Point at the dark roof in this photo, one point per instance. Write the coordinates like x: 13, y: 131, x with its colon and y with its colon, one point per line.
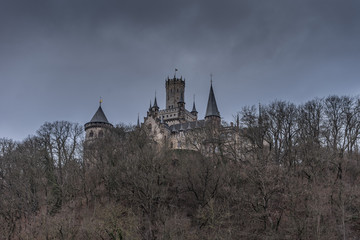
x: 187, y: 126
x: 212, y: 109
x: 155, y: 103
x: 194, y: 108
x: 99, y: 117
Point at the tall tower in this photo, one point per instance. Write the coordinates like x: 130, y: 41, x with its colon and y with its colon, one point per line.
x: 212, y: 112
x: 175, y: 90
x: 98, y: 125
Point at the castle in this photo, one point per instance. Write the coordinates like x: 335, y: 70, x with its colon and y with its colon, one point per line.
x: 169, y: 127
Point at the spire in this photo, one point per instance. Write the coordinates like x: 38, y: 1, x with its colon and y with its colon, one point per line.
x: 212, y: 109
x: 138, y: 121
x: 260, y: 118
x: 193, y: 111
x: 237, y: 120
x: 155, y: 102
x: 150, y: 106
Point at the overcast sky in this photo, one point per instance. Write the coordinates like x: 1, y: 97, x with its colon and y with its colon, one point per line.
x: 57, y: 57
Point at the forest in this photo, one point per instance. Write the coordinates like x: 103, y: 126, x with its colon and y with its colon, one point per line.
x: 294, y: 173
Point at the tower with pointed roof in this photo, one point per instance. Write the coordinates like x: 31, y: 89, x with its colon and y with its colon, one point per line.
x: 212, y: 112
x: 172, y: 124
x: 175, y: 111
x: 169, y: 126
x: 98, y: 125
x: 154, y: 109
x: 193, y: 111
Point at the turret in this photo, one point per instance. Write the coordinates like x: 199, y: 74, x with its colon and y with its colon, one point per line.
x: 193, y: 111
x: 138, y: 121
x: 212, y: 112
x: 98, y: 125
x: 154, y: 109
x: 155, y: 106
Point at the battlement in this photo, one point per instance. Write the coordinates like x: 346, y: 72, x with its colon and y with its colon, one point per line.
x: 174, y: 80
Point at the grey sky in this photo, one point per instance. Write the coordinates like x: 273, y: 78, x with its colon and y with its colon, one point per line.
x: 57, y: 57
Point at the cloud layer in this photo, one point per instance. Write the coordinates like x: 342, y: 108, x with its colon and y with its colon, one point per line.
x: 58, y: 57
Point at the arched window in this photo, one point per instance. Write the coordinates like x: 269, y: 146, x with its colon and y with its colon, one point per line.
x: 91, y: 134
x: 101, y: 133
x: 171, y: 145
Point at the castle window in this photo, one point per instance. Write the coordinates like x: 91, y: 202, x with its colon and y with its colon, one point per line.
x: 91, y: 134
x: 171, y: 145
x: 179, y: 144
x: 101, y: 133
x: 177, y: 90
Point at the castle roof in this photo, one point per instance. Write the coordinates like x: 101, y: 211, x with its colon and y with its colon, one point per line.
x: 155, y: 103
x: 212, y: 109
x: 98, y: 120
x: 99, y: 117
x: 194, y: 108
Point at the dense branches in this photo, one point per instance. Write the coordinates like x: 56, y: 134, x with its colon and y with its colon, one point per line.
x: 283, y: 172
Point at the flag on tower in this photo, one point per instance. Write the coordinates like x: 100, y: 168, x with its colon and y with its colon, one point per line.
x: 175, y: 72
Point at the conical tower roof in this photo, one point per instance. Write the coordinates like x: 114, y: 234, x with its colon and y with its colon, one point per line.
x: 98, y: 120
x: 212, y: 109
x: 155, y: 103
x: 99, y: 116
x: 194, y: 108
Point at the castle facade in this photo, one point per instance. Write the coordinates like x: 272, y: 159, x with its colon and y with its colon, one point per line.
x: 175, y: 126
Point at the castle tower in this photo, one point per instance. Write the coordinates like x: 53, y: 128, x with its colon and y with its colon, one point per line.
x: 193, y: 111
x: 154, y: 109
x: 212, y: 112
x: 97, y: 126
x: 175, y: 90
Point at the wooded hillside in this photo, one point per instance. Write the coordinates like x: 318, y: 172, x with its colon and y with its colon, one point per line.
x: 296, y: 175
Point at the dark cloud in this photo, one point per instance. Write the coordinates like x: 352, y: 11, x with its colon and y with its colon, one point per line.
x: 58, y: 57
